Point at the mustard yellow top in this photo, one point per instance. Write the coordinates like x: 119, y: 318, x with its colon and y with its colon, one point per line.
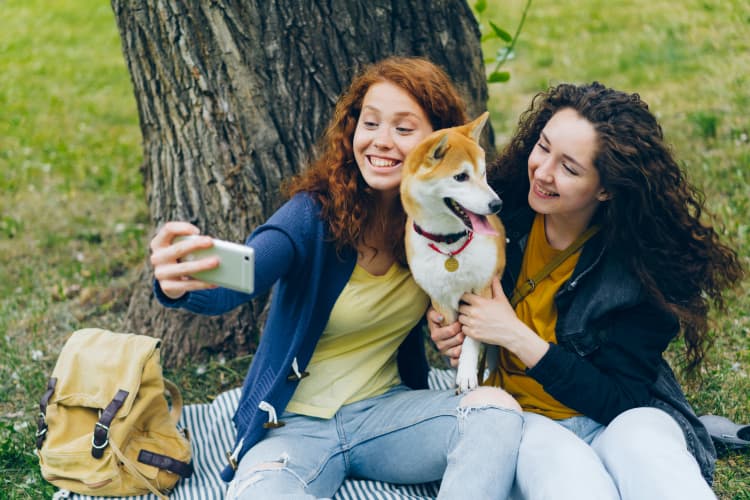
x: 539, y: 313
x: 355, y: 358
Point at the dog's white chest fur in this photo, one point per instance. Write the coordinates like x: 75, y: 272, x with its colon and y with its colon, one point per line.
x: 476, y: 263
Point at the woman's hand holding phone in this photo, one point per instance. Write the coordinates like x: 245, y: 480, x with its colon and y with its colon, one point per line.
x: 167, y: 258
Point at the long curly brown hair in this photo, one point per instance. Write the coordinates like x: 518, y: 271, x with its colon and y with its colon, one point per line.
x: 654, y: 212
x: 347, y: 202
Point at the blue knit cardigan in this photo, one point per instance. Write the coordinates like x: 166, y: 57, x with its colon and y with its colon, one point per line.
x: 294, y: 252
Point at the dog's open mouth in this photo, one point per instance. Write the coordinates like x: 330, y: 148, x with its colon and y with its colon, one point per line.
x: 473, y: 221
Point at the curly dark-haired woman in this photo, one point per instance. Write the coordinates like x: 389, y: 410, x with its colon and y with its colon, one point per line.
x: 326, y: 396
x: 609, y: 260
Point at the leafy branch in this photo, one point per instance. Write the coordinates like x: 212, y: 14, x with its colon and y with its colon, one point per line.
x: 496, y: 32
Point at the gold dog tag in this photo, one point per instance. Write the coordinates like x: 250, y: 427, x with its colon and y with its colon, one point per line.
x: 451, y: 264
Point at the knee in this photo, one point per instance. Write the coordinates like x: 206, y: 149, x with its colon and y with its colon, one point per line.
x: 489, y: 396
x: 635, y: 433
x: 265, y: 476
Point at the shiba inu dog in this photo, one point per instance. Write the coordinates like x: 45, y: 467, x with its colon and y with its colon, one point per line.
x: 454, y: 241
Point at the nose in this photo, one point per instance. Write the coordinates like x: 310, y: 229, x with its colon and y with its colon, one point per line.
x: 496, y: 205
x: 383, y: 139
x: 544, y: 169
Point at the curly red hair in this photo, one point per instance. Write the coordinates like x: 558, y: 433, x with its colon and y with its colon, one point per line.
x: 334, y: 178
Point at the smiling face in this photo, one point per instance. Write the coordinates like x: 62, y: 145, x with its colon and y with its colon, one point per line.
x: 390, y: 125
x: 564, y: 183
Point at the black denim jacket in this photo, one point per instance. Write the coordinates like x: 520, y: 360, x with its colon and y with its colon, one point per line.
x: 610, y: 340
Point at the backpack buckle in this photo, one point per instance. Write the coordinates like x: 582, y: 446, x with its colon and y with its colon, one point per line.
x: 105, y: 436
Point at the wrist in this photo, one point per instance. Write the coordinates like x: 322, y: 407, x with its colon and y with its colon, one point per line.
x: 528, y: 347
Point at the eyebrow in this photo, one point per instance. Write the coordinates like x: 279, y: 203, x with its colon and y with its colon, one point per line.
x: 399, y: 114
x: 567, y: 157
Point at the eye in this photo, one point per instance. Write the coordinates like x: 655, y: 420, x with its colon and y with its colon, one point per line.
x: 569, y: 169
x: 370, y: 124
x: 404, y: 130
x: 543, y: 147
x: 462, y: 177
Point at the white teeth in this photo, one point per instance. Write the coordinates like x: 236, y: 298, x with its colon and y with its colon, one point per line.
x: 382, y: 162
x: 545, y: 193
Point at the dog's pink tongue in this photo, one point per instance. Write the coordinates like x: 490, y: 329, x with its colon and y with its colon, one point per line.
x: 480, y: 224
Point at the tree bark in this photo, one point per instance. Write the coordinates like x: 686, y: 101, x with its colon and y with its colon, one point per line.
x: 232, y: 97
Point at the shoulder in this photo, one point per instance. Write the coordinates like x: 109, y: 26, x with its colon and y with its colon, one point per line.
x: 297, y: 221
x: 301, y: 206
x: 299, y: 216
x: 607, y: 270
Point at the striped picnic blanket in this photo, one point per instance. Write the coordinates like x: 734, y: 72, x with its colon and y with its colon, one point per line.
x: 212, y: 433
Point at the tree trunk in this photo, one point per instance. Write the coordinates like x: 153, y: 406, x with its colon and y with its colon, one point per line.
x: 232, y: 97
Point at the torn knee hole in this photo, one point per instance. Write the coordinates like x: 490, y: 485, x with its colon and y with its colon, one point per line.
x: 276, y: 464
x: 267, y: 465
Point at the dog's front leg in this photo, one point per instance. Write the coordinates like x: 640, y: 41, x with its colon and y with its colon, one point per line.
x: 466, y: 376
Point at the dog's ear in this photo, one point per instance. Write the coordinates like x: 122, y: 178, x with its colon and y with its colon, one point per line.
x: 475, y: 128
x: 438, y: 150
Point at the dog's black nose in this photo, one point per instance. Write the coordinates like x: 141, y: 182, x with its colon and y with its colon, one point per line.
x: 496, y: 205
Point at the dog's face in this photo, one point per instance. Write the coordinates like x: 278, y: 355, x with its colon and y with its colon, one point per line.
x: 444, y: 178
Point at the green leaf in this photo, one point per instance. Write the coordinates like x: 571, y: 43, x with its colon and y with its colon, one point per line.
x: 488, y: 36
x: 501, y: 33
x: 480, y: 6
x: 498, y: 76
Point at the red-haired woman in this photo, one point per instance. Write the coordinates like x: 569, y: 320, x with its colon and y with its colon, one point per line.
x: 346, y: 312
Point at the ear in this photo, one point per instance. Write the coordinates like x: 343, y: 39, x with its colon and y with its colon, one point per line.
x: 476, y: 127
x: 603, y: 195
x: 438, y: 150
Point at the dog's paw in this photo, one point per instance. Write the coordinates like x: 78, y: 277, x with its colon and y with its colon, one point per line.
x: 466, y: 379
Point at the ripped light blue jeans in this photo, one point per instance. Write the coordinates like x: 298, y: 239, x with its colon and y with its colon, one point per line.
x: 403, y: 436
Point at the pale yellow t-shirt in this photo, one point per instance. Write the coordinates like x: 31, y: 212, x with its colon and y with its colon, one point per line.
x: 538, y: 312
x: 355, y: 358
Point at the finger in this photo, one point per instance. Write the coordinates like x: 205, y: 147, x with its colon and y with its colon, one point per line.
x: 434, y: 316
x: 175, y: 252
x: 169, y: 230
x: 464, y: 319
x: 179, y: 270
x: 446, y: 346
x: 453, y: 342
x: 454, y: 359
x: 444, y: 333
x: 463, y: 309
x: 176, y: 288
x: 469, y: 298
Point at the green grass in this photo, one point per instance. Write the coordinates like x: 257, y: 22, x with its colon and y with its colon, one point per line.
x: 74, y: 222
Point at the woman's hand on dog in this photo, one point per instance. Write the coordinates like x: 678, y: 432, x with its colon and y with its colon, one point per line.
x: 170, y: 271
x: 447, y: 339
x: 493, y: 321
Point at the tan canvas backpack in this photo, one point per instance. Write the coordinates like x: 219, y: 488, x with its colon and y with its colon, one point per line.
x: 105, y: 427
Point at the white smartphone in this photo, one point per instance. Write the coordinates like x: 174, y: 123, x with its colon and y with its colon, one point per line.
x: 236, y: 269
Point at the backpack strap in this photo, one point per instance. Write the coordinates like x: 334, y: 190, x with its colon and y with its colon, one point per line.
x: 184, y: 469
x: 41, y: 424
x: 100, y: 439
x: 174, y: 392
x: 130, y: 466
